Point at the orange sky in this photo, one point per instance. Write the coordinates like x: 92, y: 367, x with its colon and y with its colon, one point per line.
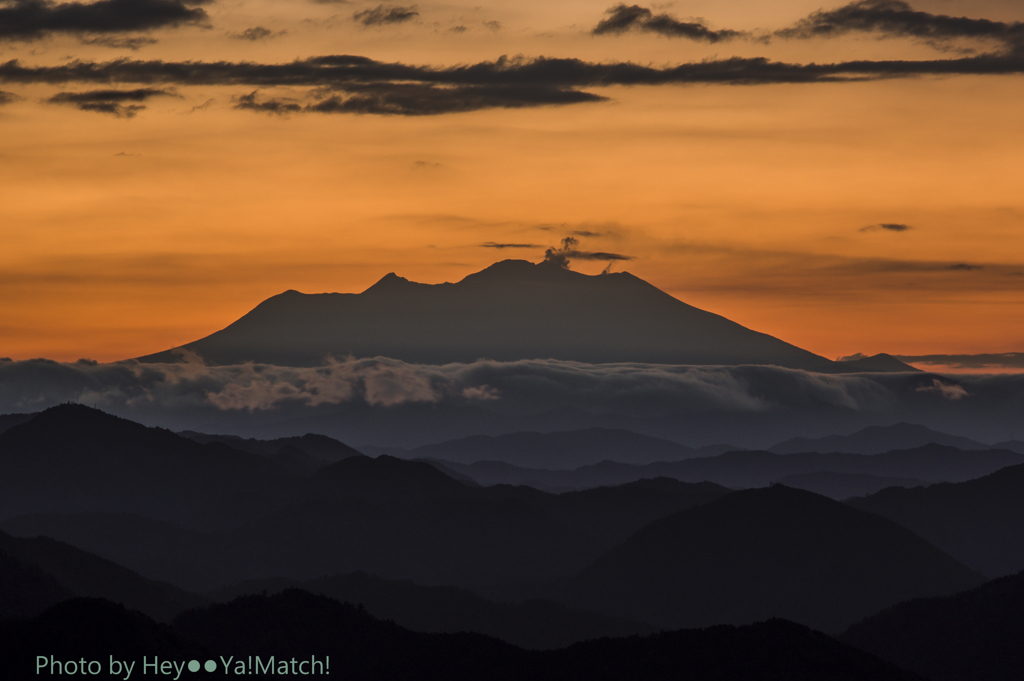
x: 124, y: 236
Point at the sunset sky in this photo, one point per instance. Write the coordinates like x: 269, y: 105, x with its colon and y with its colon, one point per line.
x: 849, y: 178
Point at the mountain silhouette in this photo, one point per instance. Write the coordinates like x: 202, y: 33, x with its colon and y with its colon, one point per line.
x: 882, y: 362
x: 972, y: 635
x: 979, y: 522
x: 756, y: 554
x: 557, y: 450
x: 299, y: 624
x: 876, y: 440
x: 74, y: 458
x: 90, y: 629
x: 510, y: 311
x: 744, y: 469
x: 534, y: 624
x: 55, y: 571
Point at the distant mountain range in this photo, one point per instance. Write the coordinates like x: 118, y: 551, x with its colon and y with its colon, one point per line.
x: 830, y: 474
x: 512, y: 310
x: 879, y: 439
x: 655, y: 552
x: 556, y: 450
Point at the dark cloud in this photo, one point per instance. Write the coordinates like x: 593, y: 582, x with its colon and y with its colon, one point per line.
x: 569, y: 251
x: 897, y: 18
x: 115, y: 102
x: 32, y: 19
x: 385, y: 14
x: 362, y: 85
x: 257, y: 33
x: 272, y: 106
x: 585, y: 232
x: 964, y: 267
x: 493, y: 25
x: 121, y: 42
x: 622, y: 18
x: 886, y: 226
x: 7, y: 97
x: 1005, y: 360
x: 492, y: 244
x: 414, y: 99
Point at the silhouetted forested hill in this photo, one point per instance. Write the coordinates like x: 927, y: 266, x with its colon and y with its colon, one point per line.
x: 43, y: 564
x: 295, y: 623
x: 971, y: 636
x: 979, y: 522
x: 534, y: 624
x: 756, y: 554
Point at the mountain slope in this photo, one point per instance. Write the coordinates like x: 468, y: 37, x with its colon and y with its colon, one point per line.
x: 979, y: 522
x: 79, y: 573
x: 512, y: 310
x: 73, y: 458
x: 975, y: 635
x: 298, y: 624
x: 756, y: 554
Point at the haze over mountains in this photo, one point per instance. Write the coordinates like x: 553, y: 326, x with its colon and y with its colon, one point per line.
x: 441, y: 554
x: 512, y: 310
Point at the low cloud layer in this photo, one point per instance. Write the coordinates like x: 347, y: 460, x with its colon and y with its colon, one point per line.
x: 383, y: 400
x: 33, y: 19
x: 886, y: 227
x: 991, y: 361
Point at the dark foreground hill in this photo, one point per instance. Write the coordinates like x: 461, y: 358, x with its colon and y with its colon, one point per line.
x: 979, y: 522
x: 41, y: 572
x: 971, y: 636
x: 510, y: 311
x: 341, y: 641
x: 532, y: 624
x: 73, y: 458
x: 756, y: 554
x: 299, y: 624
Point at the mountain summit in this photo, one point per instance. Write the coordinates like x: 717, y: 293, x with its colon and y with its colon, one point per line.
x: 509, y: 311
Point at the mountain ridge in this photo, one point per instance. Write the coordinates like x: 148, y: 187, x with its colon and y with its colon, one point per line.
x: 509, y: 311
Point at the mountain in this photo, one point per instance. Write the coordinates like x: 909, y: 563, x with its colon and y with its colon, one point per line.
x: 757, y: 554
x: 558, y: 450
x: 744, y: 469
x: 8, y: 421
x: 842, y: 486
x: 881, y: 362
x: 535, y: 624
x: 316, y: 446
x: 72, y: 458
x: 878, y: 439
x: 979, y: 522
x: 511, y: 310
x: 972, y: 635
x: 56, y: 571
x: 92, y: 630
x: 300, y: 625
x: 397, y: 519
x: 25, y: 590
